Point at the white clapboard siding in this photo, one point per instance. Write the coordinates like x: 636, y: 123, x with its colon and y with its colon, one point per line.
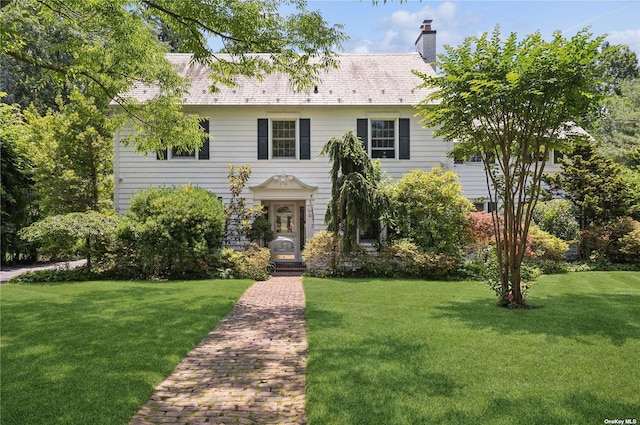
x: 234, y: 131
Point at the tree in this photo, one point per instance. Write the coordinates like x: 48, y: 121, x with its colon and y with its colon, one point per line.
x: 16, y: 188
x: 63, y: 235
x: 239, y: 218
x: 595, y: 186
x: 617, y: 63
x: 27, y: 84
x: 114, y: 48
x: 512, y: 102
x: 355, y: 202
x: 617, y: 129
x: 430, y: 210
x: 72, y: 152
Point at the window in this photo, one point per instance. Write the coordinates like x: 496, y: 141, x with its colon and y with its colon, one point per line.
x: 182, y: 154
x: 488, y: 207
x: 283, y: 139
x: 540, y: 156
x: 278, y: 139
x: 202, y: 153
x: 383, y: 137
x: 557, y: 156
x: 475, y: 158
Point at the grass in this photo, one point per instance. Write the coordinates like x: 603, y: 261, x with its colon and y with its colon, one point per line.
x: 413, y: 352
x: 91, y: 353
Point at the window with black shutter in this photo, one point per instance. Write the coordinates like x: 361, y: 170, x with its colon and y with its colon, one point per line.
x: 284, y: 138
x: 362, y: 131
x: 201, y: 154
x: 384, y: 138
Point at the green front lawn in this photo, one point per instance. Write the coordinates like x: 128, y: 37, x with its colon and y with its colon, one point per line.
x: 414, y: 352
x: 91, y: 353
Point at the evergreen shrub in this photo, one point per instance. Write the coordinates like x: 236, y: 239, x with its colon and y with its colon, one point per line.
x: 170, y: 233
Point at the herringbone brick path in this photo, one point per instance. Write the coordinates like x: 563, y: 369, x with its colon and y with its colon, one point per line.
x: 249, y: 370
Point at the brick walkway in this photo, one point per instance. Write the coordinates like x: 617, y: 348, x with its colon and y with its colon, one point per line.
x: 250, y: 369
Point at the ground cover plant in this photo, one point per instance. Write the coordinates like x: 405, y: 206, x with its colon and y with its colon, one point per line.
x: 415, y: 352
x: 91, y: 352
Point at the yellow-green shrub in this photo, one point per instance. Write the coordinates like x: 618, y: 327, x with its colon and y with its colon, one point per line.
x: 252, y: 263
x: 321, y: 254
x: 546, y: 246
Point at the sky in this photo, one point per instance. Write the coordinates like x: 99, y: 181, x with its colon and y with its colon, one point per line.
x: 393, y: 27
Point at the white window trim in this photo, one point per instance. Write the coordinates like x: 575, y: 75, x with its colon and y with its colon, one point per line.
x: 396, y: 141
x: 296, y: 143
x: 196, y: 154
x: 473, y: 160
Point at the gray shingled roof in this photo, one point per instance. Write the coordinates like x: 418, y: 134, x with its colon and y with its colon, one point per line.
x: 361, y: 79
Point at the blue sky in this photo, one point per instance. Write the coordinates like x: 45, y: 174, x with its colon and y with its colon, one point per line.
x: 394, y: 27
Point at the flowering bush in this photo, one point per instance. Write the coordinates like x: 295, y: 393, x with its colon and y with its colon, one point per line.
x: 483, y: 234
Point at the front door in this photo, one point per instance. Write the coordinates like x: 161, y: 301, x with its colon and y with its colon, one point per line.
x: 284, y: 219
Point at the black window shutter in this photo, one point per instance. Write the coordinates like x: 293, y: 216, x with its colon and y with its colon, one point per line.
x: 362, y: 131
x: 305, y: 138
x: 204, y: 149
x: 263, y: 138
x: 404, y: 151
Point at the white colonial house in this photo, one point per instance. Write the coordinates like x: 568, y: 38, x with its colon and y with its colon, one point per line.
x: 279, y: 133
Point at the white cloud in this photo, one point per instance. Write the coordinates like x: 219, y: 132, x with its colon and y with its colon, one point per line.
x: 398, y: 31
x: 629, y: 37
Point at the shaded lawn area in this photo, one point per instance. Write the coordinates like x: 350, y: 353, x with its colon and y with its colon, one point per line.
x: 91, y: 352
x: 415, y: 352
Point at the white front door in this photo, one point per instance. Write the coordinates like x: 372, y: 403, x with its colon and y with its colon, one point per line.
x: 284, y: 217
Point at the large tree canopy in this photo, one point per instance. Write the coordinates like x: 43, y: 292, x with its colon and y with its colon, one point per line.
x: 617, y: 129
x: 511, y: 101
x: 112, y: 45
x: 617, y: 64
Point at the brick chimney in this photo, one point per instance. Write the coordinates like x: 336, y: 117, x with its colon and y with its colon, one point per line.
x: 426, y: 42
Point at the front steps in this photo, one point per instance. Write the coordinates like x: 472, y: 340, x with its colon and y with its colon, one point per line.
x: 289, y: 269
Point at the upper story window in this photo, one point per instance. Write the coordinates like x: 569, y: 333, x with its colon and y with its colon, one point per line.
x: 175, y: 153
x: 202, y: 153
x: 283, y: 139
x: 383, y: 138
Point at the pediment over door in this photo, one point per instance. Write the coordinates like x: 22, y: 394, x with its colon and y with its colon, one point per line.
x: 283, y: 186
x: 283, y: 182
